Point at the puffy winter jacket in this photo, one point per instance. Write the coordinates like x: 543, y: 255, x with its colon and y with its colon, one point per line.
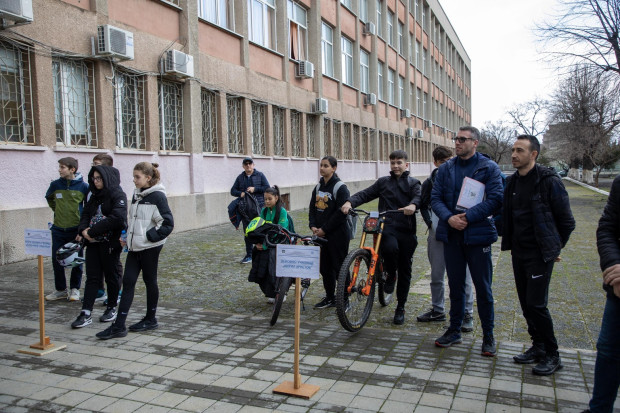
x: 480, y: 229
x: 150, y: 218
x: 608, y: 232
x: 553, y: 219
x: 257, y: 180
x: 66, y: 198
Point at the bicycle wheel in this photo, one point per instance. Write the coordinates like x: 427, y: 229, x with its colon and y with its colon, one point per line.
x: 384, y: 298
x: 353, y: 308
x: 284, y: 284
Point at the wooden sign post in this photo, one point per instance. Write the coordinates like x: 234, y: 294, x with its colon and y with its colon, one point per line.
x: 39, y: 242
x: 300, y: 262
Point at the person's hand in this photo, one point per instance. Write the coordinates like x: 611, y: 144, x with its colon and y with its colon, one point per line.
x: 320, y: 233
x: 250, y: 189
x: 259, y: 246
x: 85, y: 235
x: 314, y: 230
x: 78, y: 238
x: 346, y: 207
x: 558, y: 259
x: 458, y: 222
x: 242, y: 194
x: 611, y: 275
x: 123, y: 243
x: 408, y: 210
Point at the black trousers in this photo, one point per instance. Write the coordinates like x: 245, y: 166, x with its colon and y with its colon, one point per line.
x: 332, y: 256
x: 101, y: 262
x: 397, y: 248
x: 532, y: 278
x: 146, y: 261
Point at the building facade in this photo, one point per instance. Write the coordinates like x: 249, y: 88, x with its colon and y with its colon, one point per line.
x: 196, y: 85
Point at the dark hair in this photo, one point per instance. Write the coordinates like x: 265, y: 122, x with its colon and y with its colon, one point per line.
x: 534, y: 143
x: 440, y: 153
x: 275, y: 191
x: 69, y: 162
x: 148, y: 169
x: 104, y: 158
x: 399, y: 154
x: 333, y: 162
x: 475, y: 133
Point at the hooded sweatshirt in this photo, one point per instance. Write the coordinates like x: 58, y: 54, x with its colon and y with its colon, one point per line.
x: 150, y: 218
x: 110, y: 202
x: 66, y: 198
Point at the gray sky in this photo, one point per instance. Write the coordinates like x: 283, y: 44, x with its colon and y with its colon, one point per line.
x: 506, y: 66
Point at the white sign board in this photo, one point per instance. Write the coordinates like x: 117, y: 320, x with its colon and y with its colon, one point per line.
x: 297, y: 261
x: 38, y: 242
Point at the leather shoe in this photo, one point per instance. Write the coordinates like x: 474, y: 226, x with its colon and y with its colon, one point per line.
x: 399, y: 316
x: 548, y: 365
x: 533, y: 354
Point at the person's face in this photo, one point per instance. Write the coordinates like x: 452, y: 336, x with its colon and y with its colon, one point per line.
x: 65, y: 172
x: 440, y: 162
x: 466, y: 148
x: 398, y: 166
x: 97, y: 180
x: 141, y: 180
x: 325, y: 169
x: 248, y: 167
x: 522, y: 156
x: 270, y: 200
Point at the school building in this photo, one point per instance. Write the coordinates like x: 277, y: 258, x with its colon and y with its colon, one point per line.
x: 196, y: 85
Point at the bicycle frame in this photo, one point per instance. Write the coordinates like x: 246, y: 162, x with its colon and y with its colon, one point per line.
x: 374, y: 253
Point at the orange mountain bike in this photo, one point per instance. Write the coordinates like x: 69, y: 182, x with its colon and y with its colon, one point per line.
x: 355, y: 291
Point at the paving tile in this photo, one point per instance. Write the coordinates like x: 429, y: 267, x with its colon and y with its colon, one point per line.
x: 366, y: 403
x: 346, y: 387
x: 123, y: 406
x: 501, y: 408
x: 435, y: 400
x: 96, y: 403
x: 169, y: 399
x: 392, y: 406
x: 144, y: 395
x: 195, y: 404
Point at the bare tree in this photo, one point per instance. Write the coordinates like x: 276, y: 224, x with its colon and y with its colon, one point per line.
x: 496, y: 140
x: 530, y: 118
x: 585, y: 33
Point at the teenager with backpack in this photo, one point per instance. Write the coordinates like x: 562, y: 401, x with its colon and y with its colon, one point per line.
x: 326, y: 220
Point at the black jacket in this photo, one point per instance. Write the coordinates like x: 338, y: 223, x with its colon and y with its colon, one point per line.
x: 553, y: 219
x: 113, y: 203
x: 257, y: 180
x: 324, y: 212
x: 393, y: 193
x: 425, y: 203
x: 608, y: 231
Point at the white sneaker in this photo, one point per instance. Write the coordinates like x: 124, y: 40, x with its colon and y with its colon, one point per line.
x: 271, y: 300
x: 75, y: 295
x: 57, y: 295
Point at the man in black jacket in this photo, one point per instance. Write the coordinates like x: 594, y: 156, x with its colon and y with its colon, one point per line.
x: 397, y: 191
x: 537, y: 224
x: 607, y: 367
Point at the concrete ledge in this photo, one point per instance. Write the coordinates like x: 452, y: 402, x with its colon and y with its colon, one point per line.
x: 590, y: 187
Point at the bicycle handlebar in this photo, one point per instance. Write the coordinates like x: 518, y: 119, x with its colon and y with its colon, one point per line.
x: 354, y: 211
x: 313, y: 239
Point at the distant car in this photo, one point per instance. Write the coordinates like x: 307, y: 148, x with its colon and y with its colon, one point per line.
x: 563, y: 173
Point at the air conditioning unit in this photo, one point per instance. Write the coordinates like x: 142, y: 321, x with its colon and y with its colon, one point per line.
x: 370, y: 99
x: 115, y: 42
x: 405, y: 113
x: 305, y: 69
x: 320, y: 106
x: 369, y: 29
x: 428, y: 123
x: 179, y: 64
x: 409, y: 132
x: 420, y: 134
x: 19, y: 11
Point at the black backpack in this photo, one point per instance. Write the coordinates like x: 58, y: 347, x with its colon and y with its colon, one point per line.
x: 248, y: 207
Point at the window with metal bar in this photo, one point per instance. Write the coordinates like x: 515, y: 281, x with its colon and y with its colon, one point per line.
x: 364, y: 144
x: 310, y: 131
x: 346, y: 141
x: 326, y: 129
x: 235, y: 125
x: 373, y: 144
x: 336, y: 140
x: 356, y: 142
x: 278, y: 131
x: 296, y: 133
x: 171, y: 116
x: 258, y: 127
x: 16, y: 124
x: 74, y: 102
x: 208, y: 103
x: 129, y: 116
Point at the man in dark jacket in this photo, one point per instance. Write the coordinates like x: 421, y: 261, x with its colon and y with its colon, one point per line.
x: 466, y: 194
x: 254, y: 182
x: 537, y: 224
x: 607, y: 367
x: 397, y: 191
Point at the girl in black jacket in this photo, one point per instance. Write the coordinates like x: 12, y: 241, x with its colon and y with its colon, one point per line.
x: 327, y: 221
x: 101, y: 223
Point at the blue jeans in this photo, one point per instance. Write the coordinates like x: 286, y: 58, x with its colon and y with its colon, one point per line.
x: 60, y: 236
x: 607, y: 367
x: 458, y: 257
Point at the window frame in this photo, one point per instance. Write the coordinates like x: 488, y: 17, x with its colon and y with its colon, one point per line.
x: 223, y: 11
x: 267, y: 27
x: 327, y: 50
x: 347, y: 60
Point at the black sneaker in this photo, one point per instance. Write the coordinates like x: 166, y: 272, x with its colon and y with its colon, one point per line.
x: 144, y: 324
x: 112, y: 332
x: 388, y: 286
x: 449, y: 338
x: 432, y: 315
x: 548, y: 365
x: 108, y: 315
x: 399, y: 316
x: 468, y: 323
x: 82, y: 320
x: 534, y: 354
x: 325, y: 303
x: 489, y: 348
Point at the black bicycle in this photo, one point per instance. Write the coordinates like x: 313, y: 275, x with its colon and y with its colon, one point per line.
x: 279, y: 235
